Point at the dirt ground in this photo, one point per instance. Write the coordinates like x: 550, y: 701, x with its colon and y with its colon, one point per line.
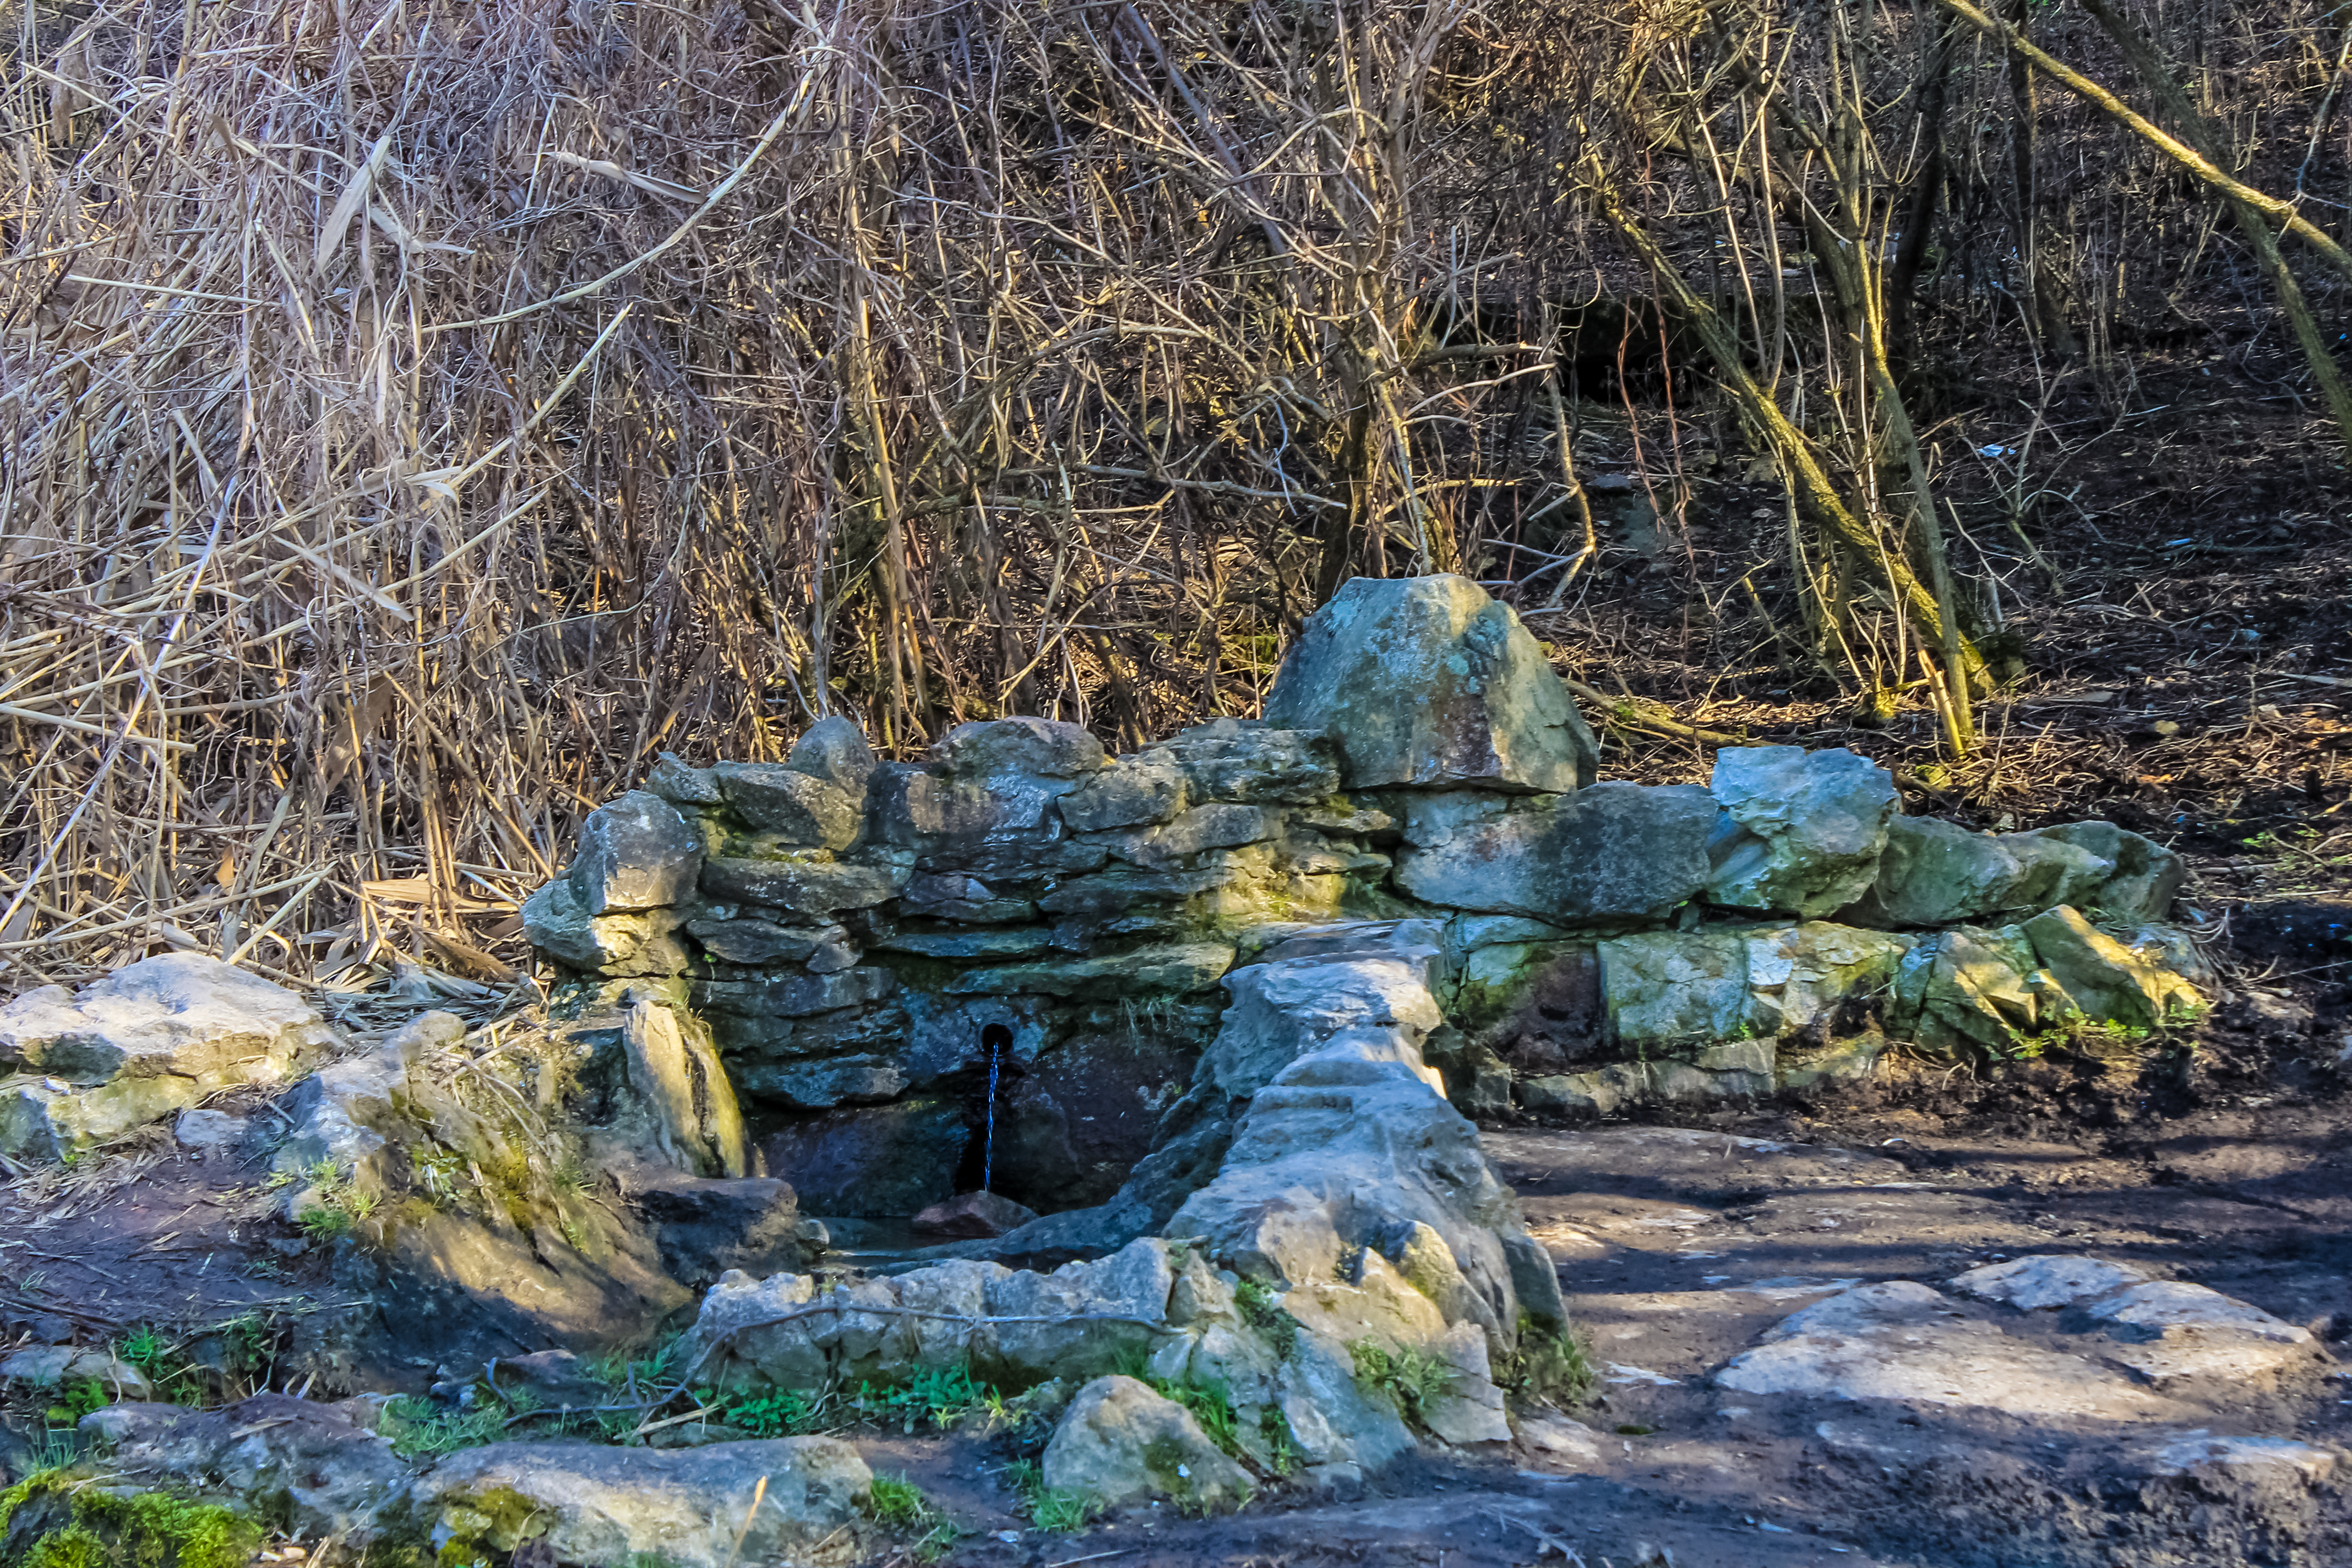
x: 2228, y: 1165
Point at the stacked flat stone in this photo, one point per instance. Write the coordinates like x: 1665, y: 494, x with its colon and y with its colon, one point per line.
x: 848, y: 928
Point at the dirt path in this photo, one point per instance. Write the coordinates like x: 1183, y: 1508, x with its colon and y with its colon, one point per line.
x: 1683, y: 1247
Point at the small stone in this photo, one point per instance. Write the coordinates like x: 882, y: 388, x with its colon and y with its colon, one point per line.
x: 682, y: 785
x: 208, y: 1130
x: 1122, y: 1443
x: 636, y: 853
x: 834, y: 750
x: 974, y: 1215
x: 777, y: 799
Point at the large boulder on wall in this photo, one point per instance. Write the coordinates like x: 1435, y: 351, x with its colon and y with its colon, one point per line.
x: 1428, y: 682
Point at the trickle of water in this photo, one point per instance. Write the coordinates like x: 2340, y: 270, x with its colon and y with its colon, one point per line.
x: 988, y: 1148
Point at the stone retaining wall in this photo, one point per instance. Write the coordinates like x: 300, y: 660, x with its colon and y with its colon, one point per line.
x: 848, y: 929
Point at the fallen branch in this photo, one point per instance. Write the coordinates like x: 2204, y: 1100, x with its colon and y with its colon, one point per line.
x: 1626, y: 712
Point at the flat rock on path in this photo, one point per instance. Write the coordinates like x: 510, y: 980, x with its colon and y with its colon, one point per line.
x: 1861, y: 1336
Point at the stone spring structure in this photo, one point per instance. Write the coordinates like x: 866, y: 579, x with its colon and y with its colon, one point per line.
x: 848, y: 932
x: 1235, y: 979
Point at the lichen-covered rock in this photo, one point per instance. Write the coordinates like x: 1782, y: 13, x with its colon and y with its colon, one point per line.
x: 1133, y: 792
x: 679, y: 784
x: 621, y: 946
x: 1348, y: 1144
x: 676, y: 1074
x: 1972, y: 987
x: 313, y: 1466
x: 2146, y: 877
x: 1079, y: 1321
x: 142, y: 1044
x: 1250, y: 763
x: 1674, y: 988
x: 1615, y: 853
x: 811, y: 882
x: 1120, y: 1443
x: 749, y: 940
x: 1170, y: 969
x: 636, y: 853
x: 796, y: 1498
x: 1936, y: 874
x: 2107, y: 979
x: 1802, y: 832
x: 1801, y: 977
x: 797, y: 808
x: 1430, y: 683
x: 834, y: 750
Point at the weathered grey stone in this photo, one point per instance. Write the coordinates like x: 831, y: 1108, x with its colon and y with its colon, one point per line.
x: 687, y: 1508
x: 824, y: 1082
x: 1045, y: 748
x: 1800, y: 976
x: 1250, y: 763
x: 777, y: 798
x: 1936, y: 874
x: 1120, y: 1443
x: 987, y: 943
x: 682, y: 785
x: 2044, y: 1281
x: 1133, y: 792
x: 2172, y: 1330
x: 1802, y: 832
x: 1349, y: 1144
x: 676, y: 1074
x: 636, y: 853
x: 1674, y: 988
x: 311, y: 1467
x: 1901, y: 1341
x: 788, y: 995
x: 1975, y: 988
x: 1001, y: 825
x: 1147, y: 970
x: 1078, y: 1322
x: 1615, y: 852
x: 1428, y: 682
x: 209, y: 1130
x: 1212, y: 827
x: 147, y: 1041
x: 881, y: 1161
x: 628, y: 945
x: 965, y: 900
x: 813, y: 884
x: 1392, y: 1311
x: 2147, y: 876
x: 834, y: 750
x: 2109, y: 981
x: 750, y: 940
x: 52, y: 1366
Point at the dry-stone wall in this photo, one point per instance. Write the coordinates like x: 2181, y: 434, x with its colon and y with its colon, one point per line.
x: 853, y: 934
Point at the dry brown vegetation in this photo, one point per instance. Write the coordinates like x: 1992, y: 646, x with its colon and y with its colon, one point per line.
x: 414, y: 417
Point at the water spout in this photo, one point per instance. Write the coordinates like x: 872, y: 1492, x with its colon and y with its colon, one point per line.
x: 996, y: 1036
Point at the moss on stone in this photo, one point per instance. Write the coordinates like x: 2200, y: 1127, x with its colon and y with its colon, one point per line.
x: 150, y: 1530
